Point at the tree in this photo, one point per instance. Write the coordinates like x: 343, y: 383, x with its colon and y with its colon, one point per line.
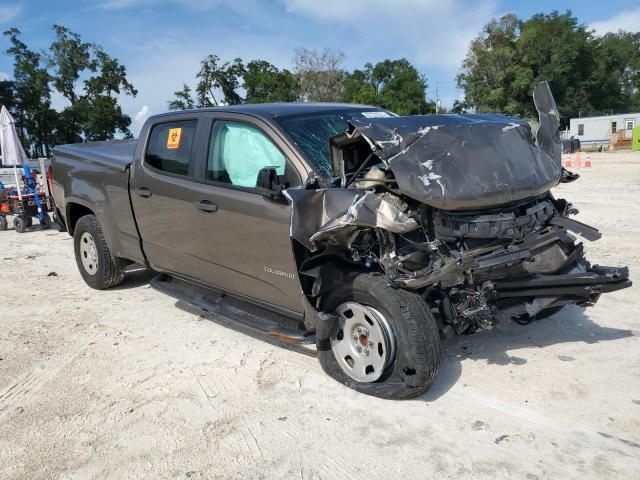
x: 320, y: 74
x: 69, y: 57
x: 617, y: 69
x: 32, y: 104
x: 491, y: 74
x: 588, y: 75
x: 264, y: 83
x: 102, y: 115
x: 392, y: 84
x: 182, y: 99
x: 213, y: 77
x: 84, y: 74
x: 93, y: 112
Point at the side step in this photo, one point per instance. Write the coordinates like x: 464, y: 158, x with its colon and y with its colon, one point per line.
x: 241, y: 316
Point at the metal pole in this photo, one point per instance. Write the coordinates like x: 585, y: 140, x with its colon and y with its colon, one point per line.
x: 44, y: 176
x: 15, y: 174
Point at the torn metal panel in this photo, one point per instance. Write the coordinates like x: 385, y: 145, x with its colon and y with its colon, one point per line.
x: 548, y: 134
x: 319, y: 215
x: 458, y: 162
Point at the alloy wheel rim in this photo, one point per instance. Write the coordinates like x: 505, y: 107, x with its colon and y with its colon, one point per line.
x: 365, y: 344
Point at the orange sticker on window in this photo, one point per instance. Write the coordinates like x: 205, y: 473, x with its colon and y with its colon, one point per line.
x: 173, y: 139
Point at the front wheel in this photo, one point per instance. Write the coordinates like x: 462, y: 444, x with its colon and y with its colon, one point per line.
x: 4, y: 225
x: 98, y: 267
x: 386, y: 343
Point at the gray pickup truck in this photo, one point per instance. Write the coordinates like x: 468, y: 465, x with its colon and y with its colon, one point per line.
x: 378, y: 235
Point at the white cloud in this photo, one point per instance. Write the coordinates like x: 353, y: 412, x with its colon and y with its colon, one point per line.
x: 191, y: 4
x: 434, y: 33
x: 9, y: 12
x: 628, y: 20
x: 4, y: 76
x: 142, y: 115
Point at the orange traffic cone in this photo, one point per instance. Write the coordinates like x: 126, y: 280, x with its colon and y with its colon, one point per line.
x: 567, y: 161
x: 578, y: 161
x: 587, y: 163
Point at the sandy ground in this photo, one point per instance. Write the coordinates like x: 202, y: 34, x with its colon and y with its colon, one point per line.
x: 122, y: 384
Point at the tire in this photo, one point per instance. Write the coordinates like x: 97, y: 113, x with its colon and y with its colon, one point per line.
x: 4, y: 225
x: 20, y: 224
x: 46, y: 223
x: 99, y: 269
x: 416, y: 359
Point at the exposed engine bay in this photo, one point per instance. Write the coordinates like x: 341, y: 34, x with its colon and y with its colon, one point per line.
x: 455, y: 207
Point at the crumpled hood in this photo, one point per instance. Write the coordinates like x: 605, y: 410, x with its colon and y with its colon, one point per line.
x: 457, y: 162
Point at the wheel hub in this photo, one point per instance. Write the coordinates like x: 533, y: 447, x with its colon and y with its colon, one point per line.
x: 365, y: 345
x: 88, y: 253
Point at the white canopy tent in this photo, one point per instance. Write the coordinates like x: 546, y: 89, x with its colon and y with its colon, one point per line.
x: 12, y: 151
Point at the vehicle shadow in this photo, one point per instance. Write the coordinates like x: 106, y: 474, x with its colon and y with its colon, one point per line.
x: 493, y: 346
x: 136, y: 276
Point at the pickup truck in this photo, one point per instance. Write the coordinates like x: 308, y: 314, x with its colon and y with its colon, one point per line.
x: 379, y: 235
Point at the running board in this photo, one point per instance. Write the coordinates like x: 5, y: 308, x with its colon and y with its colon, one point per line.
x: 237, y: 315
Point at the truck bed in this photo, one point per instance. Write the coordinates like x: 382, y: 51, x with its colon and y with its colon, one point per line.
x: 116, y: 154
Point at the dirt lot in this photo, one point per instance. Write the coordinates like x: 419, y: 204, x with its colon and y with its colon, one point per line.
x: 122, y: 384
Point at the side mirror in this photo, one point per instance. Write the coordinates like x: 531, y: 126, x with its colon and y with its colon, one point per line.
x: 268, y: 183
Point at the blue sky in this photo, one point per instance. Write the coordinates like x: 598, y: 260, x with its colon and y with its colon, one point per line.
x: 162, y: 41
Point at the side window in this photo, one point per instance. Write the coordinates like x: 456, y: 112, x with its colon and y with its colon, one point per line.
x: 170, y: 144
x: 580, y: 129
x: 237, y: 152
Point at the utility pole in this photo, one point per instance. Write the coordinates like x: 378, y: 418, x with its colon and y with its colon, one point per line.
x: 437, y: 99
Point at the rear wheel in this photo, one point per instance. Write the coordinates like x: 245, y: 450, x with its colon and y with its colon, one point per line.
x: 387, y: 342
x: 20, y: 224
x: 46, y: 222
x: 98, y: 267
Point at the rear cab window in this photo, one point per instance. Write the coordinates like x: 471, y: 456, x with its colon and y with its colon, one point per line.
x: 169, y: 147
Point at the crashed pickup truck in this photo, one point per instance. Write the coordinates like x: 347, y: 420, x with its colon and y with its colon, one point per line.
x: 377, y: 235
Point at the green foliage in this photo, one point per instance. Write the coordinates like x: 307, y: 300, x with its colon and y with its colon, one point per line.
x: 392, y: 84
x: 215, y: 76
x: 92, y: 113
x: 264, y: 83
x: 261, y: 80
x: 32, y: 96
x: 182, y: 99
x: 588, y: 75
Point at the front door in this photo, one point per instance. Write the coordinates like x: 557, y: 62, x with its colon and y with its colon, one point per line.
x: 247, y: 236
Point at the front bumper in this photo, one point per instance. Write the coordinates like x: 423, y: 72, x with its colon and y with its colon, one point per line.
x: 583, y: 282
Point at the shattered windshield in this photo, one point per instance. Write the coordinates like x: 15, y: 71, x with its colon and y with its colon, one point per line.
x: 311, y: 133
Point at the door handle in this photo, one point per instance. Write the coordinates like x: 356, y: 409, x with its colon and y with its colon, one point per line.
x: 206, y: 206
x: 143, y: 192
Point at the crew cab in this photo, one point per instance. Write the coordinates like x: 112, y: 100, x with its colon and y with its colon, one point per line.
x: 379, y: 235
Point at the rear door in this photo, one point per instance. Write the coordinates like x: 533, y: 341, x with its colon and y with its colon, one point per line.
x: 166, y: 199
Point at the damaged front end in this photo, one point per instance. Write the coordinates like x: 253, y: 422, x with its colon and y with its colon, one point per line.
x: 455, y: 207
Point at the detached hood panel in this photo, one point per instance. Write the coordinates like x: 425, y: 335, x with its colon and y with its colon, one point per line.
x: 462, y: 162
